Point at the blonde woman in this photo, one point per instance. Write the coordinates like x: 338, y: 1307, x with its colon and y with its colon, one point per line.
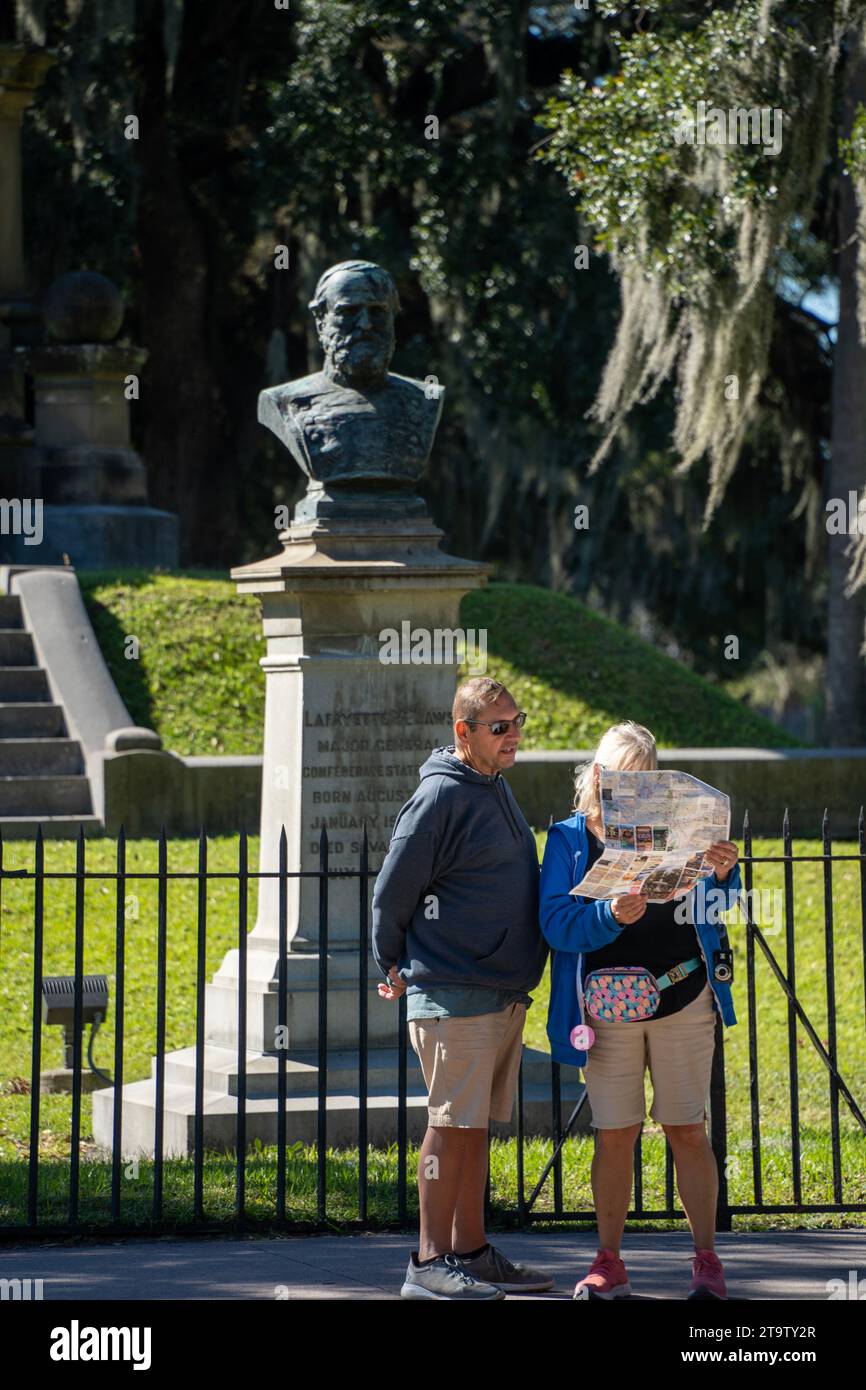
x: 676, y: 1043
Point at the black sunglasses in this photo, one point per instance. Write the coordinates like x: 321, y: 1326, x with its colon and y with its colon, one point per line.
x: 499, y: 726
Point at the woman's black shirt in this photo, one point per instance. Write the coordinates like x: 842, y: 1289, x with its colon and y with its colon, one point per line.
x: 657, y: 942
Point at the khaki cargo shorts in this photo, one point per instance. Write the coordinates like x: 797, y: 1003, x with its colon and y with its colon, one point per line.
x: 470, y: 1065
x: 679, y: 1053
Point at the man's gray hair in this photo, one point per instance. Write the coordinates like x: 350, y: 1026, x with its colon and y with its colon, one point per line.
x: 473, y: 697
x: 381, y: 278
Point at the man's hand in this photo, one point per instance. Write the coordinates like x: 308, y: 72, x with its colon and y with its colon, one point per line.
x: 628, y: 907
x: 394, y: 988
x: 722, y: 855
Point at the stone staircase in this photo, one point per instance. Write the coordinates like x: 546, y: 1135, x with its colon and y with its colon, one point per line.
x: 43, y: 780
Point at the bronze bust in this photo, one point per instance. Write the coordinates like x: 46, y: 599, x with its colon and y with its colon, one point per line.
x: 354, y: 423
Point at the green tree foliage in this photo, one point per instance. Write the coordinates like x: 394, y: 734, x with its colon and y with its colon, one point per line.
x: 708, y: 217
x: 697, y: 216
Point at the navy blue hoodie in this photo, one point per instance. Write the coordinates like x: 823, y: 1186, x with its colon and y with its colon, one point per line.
x: 462, y: 841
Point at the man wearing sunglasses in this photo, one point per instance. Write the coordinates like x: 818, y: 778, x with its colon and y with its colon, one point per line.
x: 455, y: 923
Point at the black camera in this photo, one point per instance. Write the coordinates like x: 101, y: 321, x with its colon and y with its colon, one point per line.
x: 723, y: 966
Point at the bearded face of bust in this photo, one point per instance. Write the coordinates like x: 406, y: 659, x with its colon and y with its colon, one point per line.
x: 355, y: 323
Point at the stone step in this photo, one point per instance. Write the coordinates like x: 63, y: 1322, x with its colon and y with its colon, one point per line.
x: 25, y: 683
x: 53, y: 827
x: 43, y: 781
x: 31, y: 719
x: 10, y: 611
x: 16, y: 648
x: 40, y: 757
x: 220, y: 1118
x: 302, y: 1071
x: 43, y: 797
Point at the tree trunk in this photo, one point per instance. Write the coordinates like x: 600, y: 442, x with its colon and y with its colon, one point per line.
x: 185, y: 434
x: 846, y: 690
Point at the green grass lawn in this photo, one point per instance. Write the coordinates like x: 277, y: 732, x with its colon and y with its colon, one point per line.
x: 574, y: 671
x: 15, y: 996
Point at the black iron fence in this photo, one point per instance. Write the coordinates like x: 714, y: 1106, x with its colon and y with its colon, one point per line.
x: 526, y: 1208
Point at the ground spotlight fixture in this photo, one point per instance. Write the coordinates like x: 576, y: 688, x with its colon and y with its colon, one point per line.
x: 58, y: 1007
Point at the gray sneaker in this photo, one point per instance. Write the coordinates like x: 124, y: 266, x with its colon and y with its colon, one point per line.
x: 495, y: 1268
x: 446, y: 1277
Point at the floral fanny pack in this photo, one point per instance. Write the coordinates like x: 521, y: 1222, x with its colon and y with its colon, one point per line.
x: 629, y: 993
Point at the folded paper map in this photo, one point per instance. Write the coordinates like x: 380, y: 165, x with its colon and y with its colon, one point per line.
x: 657, y: 826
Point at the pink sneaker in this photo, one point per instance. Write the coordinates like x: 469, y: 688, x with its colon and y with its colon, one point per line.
x: 606, y: 1278
x: 708, y: 1280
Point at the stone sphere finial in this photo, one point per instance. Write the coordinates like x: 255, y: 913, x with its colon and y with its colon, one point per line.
x: 83, y: 307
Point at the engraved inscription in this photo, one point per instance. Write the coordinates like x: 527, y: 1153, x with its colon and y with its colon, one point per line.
x: 366, y: 766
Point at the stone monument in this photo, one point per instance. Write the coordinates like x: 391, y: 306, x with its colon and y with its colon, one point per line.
x: 345, y: 733
x: 92, y: 483
x: 75, y: 462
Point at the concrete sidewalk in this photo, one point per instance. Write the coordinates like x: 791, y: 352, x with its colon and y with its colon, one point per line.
x: 788, y: 1265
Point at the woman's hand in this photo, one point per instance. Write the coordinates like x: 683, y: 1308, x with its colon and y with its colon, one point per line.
x: 628, y: 907
x: 722, y: 855
x: 394, y: 988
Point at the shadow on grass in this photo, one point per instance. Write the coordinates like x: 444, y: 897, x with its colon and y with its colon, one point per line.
x: 130, y: 677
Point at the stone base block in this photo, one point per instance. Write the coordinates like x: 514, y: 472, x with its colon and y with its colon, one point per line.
x: 59, y: 1081
x: 221, y: 1108
x: 221, y: 1001
x: 103, y: 537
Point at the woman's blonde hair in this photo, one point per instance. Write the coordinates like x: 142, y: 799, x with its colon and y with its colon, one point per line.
x: 626, y: 747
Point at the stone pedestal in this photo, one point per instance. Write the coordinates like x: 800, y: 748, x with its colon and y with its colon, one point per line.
x: 92, y: 483
x: 345, y: 736
x: 82, y: 423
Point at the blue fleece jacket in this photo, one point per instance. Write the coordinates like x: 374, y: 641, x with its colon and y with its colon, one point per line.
x: 456, y: 900
x: 575, y: 926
